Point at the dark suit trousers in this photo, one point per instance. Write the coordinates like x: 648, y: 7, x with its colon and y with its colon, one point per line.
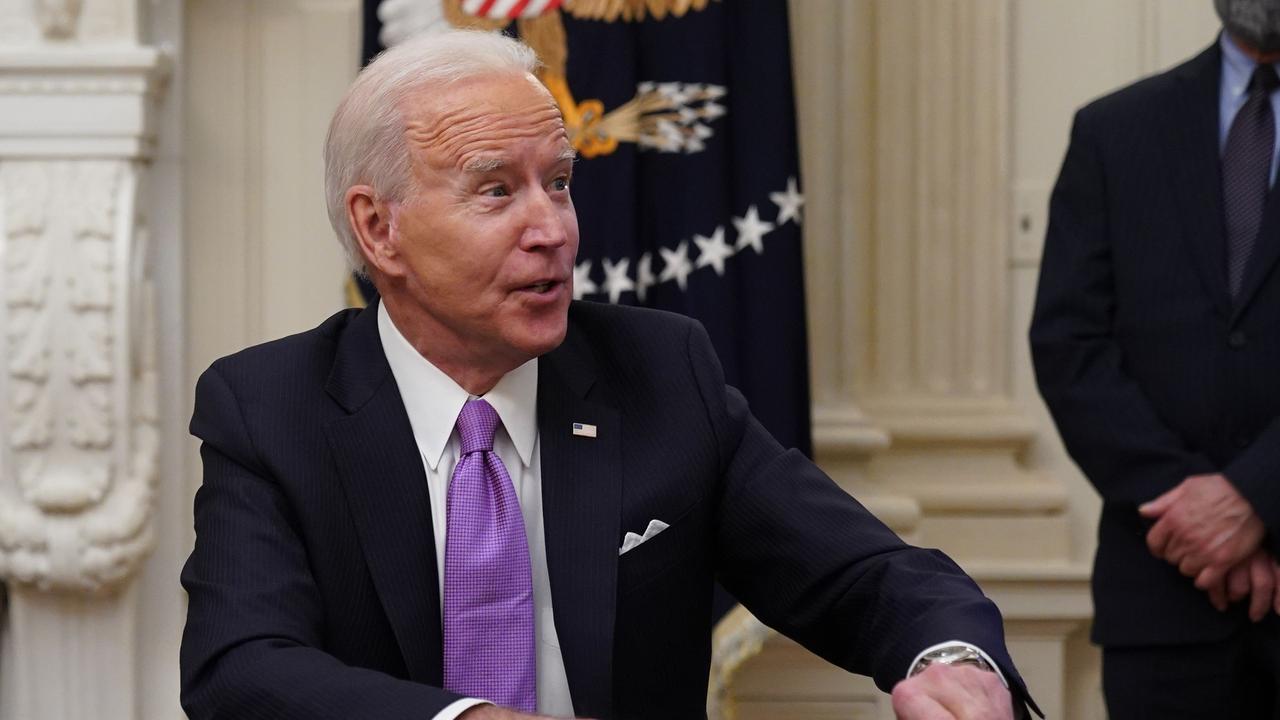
x: 1233, y: 679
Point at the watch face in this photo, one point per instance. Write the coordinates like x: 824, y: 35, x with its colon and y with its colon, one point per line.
x: 952, y: 655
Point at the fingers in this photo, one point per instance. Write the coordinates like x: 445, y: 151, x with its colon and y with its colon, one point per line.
x: 1157, y: 507
x: 1213, y: 575
x: 1275, y: 575
x: 1218, y: 596
x: 1237, y: 582
x: 914, y: 705
x: 1193, y: 566
x: 956, y: 691
x: 1158, y: 537
x: 1263, y: 581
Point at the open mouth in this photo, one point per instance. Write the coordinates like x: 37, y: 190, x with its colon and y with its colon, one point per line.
x: 541, y: 288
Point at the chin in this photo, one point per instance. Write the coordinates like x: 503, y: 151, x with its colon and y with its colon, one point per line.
x: 538, y: 339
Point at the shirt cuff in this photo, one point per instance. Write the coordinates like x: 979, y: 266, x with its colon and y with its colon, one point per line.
x: 456, y: 708
x: 958, y: 643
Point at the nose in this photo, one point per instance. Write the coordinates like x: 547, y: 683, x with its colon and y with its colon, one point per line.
x: 544, y: 224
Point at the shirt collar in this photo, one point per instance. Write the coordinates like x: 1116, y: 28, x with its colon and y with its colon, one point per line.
x: 433, y: 400
x: 1237, y: 68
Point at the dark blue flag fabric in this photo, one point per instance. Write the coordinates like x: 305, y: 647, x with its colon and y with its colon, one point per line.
x: 687, y: 188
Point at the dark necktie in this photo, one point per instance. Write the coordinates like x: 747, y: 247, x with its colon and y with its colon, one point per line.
x: 488, y: 584
x: 1246, y: 172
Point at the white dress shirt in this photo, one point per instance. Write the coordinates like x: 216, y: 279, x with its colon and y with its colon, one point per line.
x: 433, y: 401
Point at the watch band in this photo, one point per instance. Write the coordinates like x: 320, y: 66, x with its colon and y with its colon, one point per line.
x: 952, y: 654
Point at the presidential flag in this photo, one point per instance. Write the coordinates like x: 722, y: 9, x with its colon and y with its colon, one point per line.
x: 687, y: 188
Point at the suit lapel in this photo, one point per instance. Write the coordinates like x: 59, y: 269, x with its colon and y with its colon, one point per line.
x: 386, y: 488
x: 581, y: 502
x: 1194, y: 125
x: 1265, y: 253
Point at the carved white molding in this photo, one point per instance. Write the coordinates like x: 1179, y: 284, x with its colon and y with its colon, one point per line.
x: 58, y: 19
x: 80, y: 466
x: 61, y: 23
x: 940, y: 274
x: 79, y: 101
x: 738, y: 637
x: 78, y: 406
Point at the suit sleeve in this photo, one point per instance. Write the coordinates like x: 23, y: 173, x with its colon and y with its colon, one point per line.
x: 253, y: 643
x: 1255, y: 472
x: 1106, y: 421
x: 810, y: 561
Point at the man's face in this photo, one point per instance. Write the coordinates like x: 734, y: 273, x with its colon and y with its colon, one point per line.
x: 1253, y: 22
x: 487, y: 237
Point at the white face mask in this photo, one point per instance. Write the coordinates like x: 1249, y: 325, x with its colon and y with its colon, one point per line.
x: 1255, y: 22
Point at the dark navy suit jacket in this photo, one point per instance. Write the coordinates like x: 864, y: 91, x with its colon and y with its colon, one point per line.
x: 1150, y: 369
x: 313, y: 590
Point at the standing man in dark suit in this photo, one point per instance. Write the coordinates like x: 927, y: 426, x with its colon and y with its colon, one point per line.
x: 1156, y: 344
x: 477, y: 499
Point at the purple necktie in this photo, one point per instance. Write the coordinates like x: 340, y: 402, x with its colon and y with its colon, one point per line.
x: 488, y: 586
x: 1246, y: 172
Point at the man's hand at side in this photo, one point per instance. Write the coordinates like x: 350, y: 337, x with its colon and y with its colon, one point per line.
x: 1204, y: 526
x: 952, y: 692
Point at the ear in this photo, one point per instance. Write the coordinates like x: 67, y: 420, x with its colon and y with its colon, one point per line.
x: 371, y: 222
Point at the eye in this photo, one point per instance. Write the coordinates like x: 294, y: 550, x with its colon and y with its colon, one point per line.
x: 561, y: 183
x: 497, y: 191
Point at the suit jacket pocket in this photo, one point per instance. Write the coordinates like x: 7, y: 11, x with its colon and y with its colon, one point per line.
x: 682, y: 541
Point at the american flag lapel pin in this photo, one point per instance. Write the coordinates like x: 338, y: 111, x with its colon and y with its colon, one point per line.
x: 584, y: 430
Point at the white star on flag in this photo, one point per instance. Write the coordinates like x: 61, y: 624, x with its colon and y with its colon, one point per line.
x: 616, y: 281
x: 713, y: 250
x: 582, y: 284
x: 677, y: 266
x: 788, y: 203
x: 644, y: 275
x: 751, y: 231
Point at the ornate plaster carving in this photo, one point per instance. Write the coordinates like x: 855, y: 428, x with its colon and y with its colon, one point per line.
x: 738, y: 637
x: 78, y: 474
x: 58, y: 18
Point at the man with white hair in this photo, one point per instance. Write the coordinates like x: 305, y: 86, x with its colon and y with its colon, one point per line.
x: 479, y: 499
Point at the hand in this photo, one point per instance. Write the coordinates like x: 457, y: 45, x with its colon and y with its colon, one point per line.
x: 1258, y: 577
x: 1204, y: 526
x: 952, y: 692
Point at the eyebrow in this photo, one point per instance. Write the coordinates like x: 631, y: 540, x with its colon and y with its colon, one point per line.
x: 489, y: 164
x: 483, y: 164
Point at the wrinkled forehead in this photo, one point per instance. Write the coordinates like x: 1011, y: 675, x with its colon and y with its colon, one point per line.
x: 481, y: 112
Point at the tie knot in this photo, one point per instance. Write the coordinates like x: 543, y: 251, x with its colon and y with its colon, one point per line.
x: 1264, y: 78
x: 477, y: 423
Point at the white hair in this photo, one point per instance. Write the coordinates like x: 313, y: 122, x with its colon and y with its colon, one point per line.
x: 366, y: 141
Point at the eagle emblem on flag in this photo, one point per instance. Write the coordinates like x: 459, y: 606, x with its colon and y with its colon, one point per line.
x: 664, y: 117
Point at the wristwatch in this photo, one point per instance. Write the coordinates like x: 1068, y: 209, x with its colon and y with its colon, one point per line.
x: 956, y: 654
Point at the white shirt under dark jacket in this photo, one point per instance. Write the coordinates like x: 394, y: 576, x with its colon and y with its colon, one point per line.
x: 433, y: 401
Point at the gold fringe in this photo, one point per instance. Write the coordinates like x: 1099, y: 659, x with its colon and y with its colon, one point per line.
x: 459, y: 18
x: 545, y: 34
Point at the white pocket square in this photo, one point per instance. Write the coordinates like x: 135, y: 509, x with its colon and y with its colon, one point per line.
x: 632, y: 540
